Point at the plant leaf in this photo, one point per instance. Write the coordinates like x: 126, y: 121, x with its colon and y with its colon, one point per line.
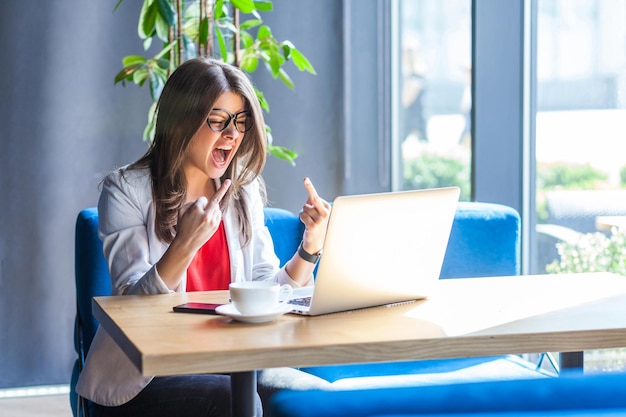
x: 147, y: 19
x: 263, y: 5
x: 222, y: 44
x: 166, y: 11
x: 250, y: 23
x: 286, y: 79
x: 272, y: 60
x: 245, y: 6
x: 301, y: 61
x: 133, y: 59
x: 262, y: 101
x: 141, y: 75
x: 162, y: 28
x: 219, y: 9
x: 228, y: 25
x: 203, y: 31
x: 249, y: 63
x: 191, y: 51
x: 148, y: 132
x: 283, y: 153
x: 286, y: 51
x: 156, y: 85
x: 126, y: 74
x: 162, y: 63
x: 264, y: 32
x: 119, y: 3
x: 275, y: 62
x: 246, y: 40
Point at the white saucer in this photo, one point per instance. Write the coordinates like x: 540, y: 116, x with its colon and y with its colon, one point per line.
x: 229, y: 310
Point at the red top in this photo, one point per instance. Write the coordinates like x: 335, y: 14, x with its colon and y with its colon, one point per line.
x: 210, y: 268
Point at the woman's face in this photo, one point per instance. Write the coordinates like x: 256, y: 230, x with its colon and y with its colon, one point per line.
x: 210, y: 152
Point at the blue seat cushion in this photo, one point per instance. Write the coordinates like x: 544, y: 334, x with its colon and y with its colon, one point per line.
x: 541, y: 413
x: 427, y: 372
x: 569, y: 395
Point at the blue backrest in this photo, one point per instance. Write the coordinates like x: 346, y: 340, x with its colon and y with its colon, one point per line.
x: 286, y: 230
x: 91, y: 273
x: 484, y: 241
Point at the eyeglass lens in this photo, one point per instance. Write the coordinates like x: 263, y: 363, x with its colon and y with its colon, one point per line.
x: 219, y: 120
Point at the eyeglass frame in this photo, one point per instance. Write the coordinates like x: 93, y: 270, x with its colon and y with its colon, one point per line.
x: 231, y: 118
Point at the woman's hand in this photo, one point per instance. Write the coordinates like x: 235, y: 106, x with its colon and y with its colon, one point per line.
x: 199, y: 220
x: 315, y: 214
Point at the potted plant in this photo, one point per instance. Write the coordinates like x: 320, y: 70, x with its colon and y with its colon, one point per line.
x: 592, y: 252
x: 230, y: 30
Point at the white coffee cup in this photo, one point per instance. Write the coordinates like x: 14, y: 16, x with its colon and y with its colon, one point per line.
x: 258, y: 297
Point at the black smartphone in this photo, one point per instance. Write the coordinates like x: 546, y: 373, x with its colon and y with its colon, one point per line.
x: 197, y: 308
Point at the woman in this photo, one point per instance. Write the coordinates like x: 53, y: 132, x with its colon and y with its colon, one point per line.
x: 188, y: 216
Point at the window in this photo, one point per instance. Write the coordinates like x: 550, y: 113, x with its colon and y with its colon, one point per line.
x: 433, y: 100
x: 581, y: 117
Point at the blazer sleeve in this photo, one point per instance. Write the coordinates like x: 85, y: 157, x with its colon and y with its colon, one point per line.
x: 125, y: 213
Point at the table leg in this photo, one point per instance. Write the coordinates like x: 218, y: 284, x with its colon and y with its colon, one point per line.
x: 572, y: 361
x: 243, y: 394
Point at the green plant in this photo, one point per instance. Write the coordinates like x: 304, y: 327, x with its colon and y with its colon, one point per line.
x: 564, y: 177
x: 433, y: 171
x: 209, y: 28
x: 592, y: 252
x: 568, y: 176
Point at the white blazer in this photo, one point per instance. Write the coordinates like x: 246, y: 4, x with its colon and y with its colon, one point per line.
x: 126, y: 223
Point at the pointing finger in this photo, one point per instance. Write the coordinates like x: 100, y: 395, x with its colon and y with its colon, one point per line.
x: 310, y: 189
x: 221, y: 192
x: 313, y: 196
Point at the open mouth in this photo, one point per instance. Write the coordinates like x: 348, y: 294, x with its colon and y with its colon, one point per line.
x: 221, y: 154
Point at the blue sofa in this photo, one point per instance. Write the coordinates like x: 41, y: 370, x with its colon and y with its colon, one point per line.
x: 484, y: 241
x: 572, y: 395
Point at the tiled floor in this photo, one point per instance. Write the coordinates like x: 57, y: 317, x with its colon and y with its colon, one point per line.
x: 48, y: 406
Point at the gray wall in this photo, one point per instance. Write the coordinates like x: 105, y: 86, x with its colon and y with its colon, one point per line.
x: 63, y: 124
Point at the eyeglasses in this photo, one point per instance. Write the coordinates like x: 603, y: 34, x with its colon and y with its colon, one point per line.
x: 219, y: 120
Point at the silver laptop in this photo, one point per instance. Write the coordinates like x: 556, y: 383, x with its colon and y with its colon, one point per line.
x: 380, y: 249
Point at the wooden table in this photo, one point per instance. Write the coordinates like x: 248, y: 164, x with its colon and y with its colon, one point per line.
x: 606, y: 223
x: 462, y: 318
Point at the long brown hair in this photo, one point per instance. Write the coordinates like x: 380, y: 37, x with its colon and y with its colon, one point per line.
x: 187, y: 98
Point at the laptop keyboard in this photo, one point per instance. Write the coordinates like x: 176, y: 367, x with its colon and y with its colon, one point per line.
x: 303, y: 301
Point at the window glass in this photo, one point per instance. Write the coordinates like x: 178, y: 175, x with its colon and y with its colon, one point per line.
x: 434, y: 97
x: 580, y: 125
